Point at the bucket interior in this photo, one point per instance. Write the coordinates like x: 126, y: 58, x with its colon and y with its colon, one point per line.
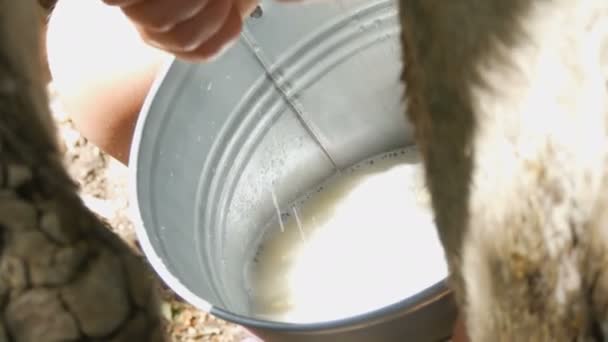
x: 278, y: 114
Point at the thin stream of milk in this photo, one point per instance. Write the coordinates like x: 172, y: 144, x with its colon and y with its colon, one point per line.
x: 370, y: 242
x: 278, y: 209
x: 299, y: 223
x: 274, y: 196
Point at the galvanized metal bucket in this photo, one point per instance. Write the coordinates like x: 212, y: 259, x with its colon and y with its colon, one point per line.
x: 308, y: 89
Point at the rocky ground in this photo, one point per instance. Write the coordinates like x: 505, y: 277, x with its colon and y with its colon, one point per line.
x: 103, y: 183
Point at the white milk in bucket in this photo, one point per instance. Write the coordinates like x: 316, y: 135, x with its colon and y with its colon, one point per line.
x: 364, y: 240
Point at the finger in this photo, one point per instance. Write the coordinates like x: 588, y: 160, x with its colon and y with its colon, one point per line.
x: 220, y: 41
x: 162, y: 15
x: 192, y: 33
x: 121, y: 3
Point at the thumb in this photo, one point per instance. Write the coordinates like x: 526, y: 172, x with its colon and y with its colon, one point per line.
x: 246, y: 7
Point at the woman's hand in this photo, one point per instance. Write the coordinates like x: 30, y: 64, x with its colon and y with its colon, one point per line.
x: 189, y: 29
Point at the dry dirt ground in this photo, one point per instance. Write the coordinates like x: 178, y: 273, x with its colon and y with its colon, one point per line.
x: 103, y: 184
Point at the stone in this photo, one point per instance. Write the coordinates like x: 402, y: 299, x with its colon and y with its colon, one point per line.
x: 17, y: 175
x: 99, y: 298
x: 38, y: 315
x: 63, y: 266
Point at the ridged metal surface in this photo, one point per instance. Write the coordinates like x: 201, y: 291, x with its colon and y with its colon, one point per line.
x: 307, y: 90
